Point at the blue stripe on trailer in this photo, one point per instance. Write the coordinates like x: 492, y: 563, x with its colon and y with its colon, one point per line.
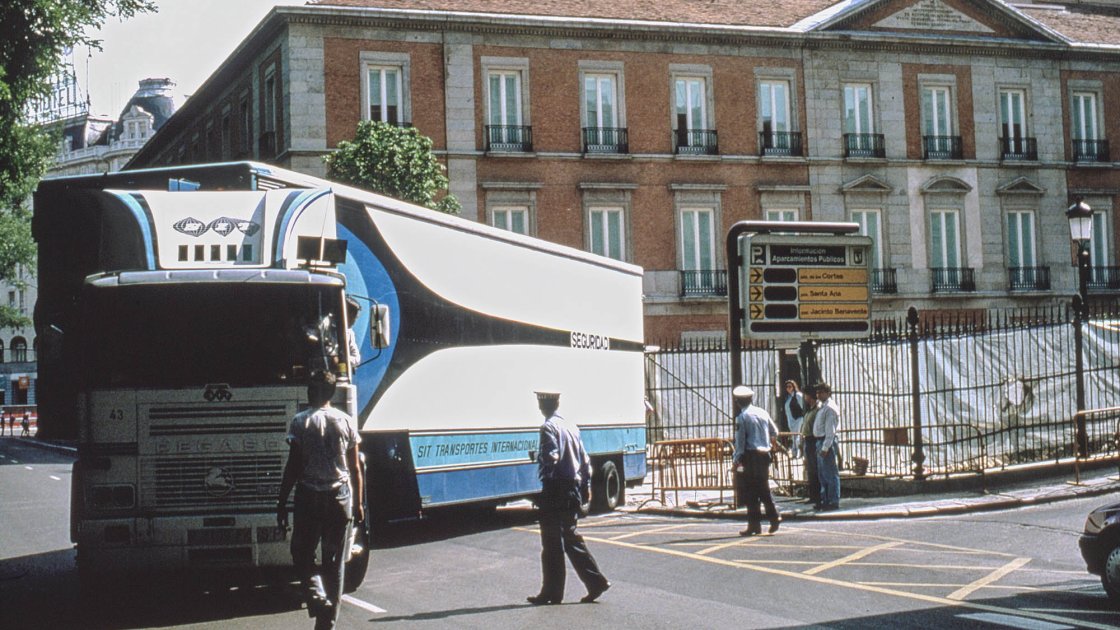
x: 447, y: 487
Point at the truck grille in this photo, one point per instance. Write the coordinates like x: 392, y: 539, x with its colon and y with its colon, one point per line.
x: 210, y: 420
x: 214, y: 481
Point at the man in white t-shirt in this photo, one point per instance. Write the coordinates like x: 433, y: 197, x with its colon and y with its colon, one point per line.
x: 324, y: 467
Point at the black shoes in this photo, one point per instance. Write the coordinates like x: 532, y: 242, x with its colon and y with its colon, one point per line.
x: 774, y: 524
x: 594, y: 593
x: 542, y: 600
x: 750, y: 532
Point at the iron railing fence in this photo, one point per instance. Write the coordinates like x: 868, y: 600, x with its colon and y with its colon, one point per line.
x: 1090, y: 150
x: 695, y: 141
x: 1104, y: 279
x: 884, y: 280
x: 942, y: 147
x: 929, y: 394
x: 1028, y: 278
x: 1018, y: 148
x: 703, y: 282
x: 606, y: 140
x: 509, y: 138
x: 864, y: 145
x: 783, y: 143
x: 952, y: 279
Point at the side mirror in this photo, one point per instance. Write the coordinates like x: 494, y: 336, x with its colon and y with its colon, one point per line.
x: 380, y: 326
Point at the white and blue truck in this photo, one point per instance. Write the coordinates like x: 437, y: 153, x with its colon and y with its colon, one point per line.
x: 180, y: 310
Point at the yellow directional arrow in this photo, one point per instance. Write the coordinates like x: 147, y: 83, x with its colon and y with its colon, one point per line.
x: 756, y: 311
x: 756, y: 275
x: 756, y: 293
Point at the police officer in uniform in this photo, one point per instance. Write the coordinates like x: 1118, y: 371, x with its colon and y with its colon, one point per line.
x: 324, y: 467
x: 756, y: 436
x: 565, y: 473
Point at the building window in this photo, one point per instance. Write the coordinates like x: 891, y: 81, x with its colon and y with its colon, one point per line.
x: 860, y: 139
x: 1088, y: 144
x: 385, y: 88
x: 269, y: 112
x: 606, y: 231
x: 775, y: 119
x: 1015, y: 144
x: 870, y: 225
x: 781, y: 215
x: 1, y: 356
x: 1020, y: 239
x: 270, y: 141
x: 1098, y: 245
x: 945, y: 245
x: 514, y: 219
x: 693, y: 131
x: 245, y: 124
x: 19, y: 350
x: 698, y: 239
x: 938, y: 139
x: 507, y: 129
x: 604, y: 126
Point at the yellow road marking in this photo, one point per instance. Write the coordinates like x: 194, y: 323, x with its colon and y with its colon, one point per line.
x: 862, y: 553
x: 735, y: 543
x: 909, y: 542
x: 988, y: 579
x: 655, y: 530
x: 934, y: 584
x: 932, y: 599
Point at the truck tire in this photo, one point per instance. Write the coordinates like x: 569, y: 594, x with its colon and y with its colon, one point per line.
x: 609, y: 491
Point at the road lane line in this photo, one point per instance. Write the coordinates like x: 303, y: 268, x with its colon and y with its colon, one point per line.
x: 56, y: 478
x: 863, y: 553
x: 992, y: 586
x: 354, y: 601
x: 735, y: 543
x: 988, y: 579
x: 931, y: 599
x: 655, y: 530
x: 29, y: 467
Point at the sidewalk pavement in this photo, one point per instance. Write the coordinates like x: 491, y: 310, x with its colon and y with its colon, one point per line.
x: 641, y: 500
x: 1045, y: 489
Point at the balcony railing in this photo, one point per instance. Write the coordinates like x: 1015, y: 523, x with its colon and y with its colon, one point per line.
x: 1018, y: 148
x: 1090, y: 150
x: 864, y: 145
x: 709, y: 282
x: 942, y: 147
x: 509, y: 138
x: 695, y: 142
x: 1028, y: 278
x: 1104, y: 279
x: 884, y: 280
x: 605, y: 140
x: 951, y: 279
x: 780, y: 142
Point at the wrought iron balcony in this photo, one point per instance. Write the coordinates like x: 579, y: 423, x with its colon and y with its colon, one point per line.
x: 1028, y: 278
x: 884, y: 280
x: 695, y: 142
x: 1018, y: 149
x: 780, y: 143
x: 708, y: 282
x: 1090, y: 150
x: 942, y: 148
x: 1106, y: 279
x: 605, y: 140
x: 951, y: 279
x: 509, y: 138
x: 864, y: 145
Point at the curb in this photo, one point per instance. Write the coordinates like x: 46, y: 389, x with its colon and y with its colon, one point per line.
x: 49, y: 446
x: 945, y: 507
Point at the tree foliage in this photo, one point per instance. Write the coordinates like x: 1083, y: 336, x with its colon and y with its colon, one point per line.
x: 394, y: 161
x: 34, y: 36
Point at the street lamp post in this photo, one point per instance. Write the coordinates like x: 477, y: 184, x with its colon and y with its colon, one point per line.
x: 1080, y: 217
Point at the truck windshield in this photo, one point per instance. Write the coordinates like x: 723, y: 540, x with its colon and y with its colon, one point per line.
x: 190, y: 334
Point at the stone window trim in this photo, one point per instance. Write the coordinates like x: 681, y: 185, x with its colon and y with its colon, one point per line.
x: 507, y: 64
x: 773, y: 73
x: 609, y: 195
x: 513, y: 196
x: 369, y: 60
x: 692, y: 71
x: 700, y: 196
x: 588, y: 66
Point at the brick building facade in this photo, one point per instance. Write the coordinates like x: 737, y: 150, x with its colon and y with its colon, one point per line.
x: 955, y: 132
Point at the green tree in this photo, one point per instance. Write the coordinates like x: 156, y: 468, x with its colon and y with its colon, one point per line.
x: 393, y: 161
x: 34, y: 36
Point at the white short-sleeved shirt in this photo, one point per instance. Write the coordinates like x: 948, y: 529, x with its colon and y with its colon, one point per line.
x: 324, y: 436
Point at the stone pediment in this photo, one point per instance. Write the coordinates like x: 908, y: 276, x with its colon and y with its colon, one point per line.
x: 866, y: 184
x: 1021, y: 186
x: 971, y: 18
x: 946, y: 184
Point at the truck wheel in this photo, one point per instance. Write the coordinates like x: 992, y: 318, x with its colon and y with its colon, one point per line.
x: 609, y: 489
x: 1110, y: 576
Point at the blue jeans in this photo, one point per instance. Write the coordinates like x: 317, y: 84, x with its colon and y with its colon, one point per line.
x: 830, y: 477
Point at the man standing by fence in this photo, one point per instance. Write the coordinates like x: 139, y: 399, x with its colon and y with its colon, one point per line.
x: 755, y: 436
x: 828, y: 447
x: 812, y: 477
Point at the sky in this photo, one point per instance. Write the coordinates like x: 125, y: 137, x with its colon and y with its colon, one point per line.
x: 185, y: 41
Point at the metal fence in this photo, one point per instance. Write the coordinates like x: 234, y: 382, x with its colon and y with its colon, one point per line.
x: 930, y: 394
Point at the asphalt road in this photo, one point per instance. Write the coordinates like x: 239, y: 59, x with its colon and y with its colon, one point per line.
x: 1012, y: 569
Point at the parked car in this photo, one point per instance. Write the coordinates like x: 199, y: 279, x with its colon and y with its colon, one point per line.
x: 1100, y: 546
